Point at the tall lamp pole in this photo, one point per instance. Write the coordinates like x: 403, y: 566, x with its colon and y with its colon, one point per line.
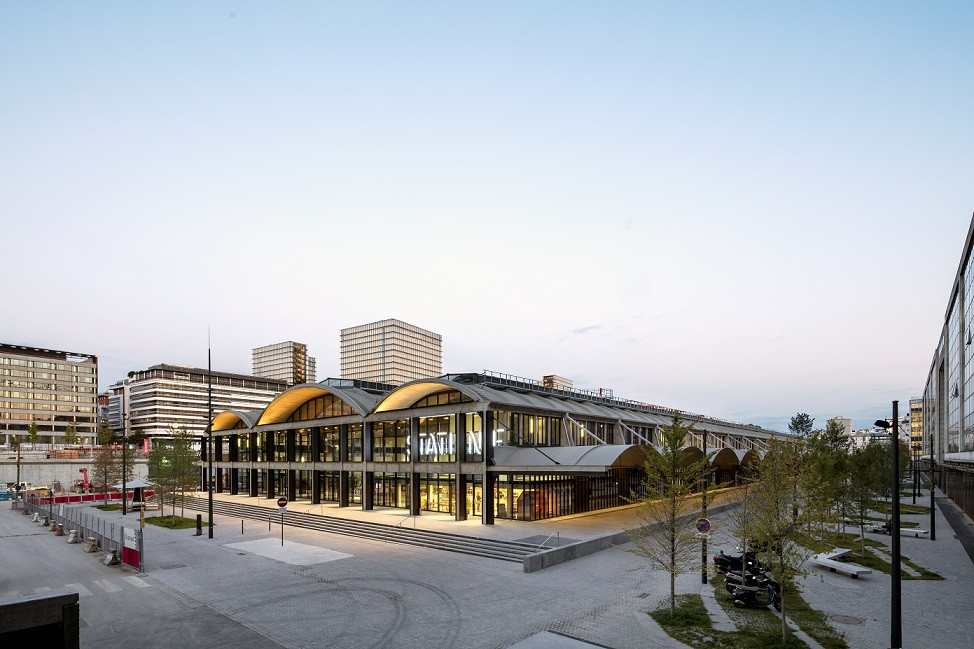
x: 209, y: 436
x: 895, y: 630
x: 703, y: 551
x: 124, y: 466
x: 933, y: 471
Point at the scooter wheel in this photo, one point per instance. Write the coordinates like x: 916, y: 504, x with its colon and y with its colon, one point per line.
x: 739, y: 603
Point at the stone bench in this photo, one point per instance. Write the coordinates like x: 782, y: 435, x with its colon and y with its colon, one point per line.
x: 828, y: 560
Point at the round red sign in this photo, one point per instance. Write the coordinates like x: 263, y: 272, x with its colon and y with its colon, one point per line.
x: 703, y: 525
x: 282, y: 502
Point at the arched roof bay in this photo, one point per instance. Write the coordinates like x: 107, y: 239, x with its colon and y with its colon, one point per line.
x: 228, y: 419
x: 284, y: 405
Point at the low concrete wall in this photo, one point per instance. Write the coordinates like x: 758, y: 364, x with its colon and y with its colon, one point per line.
x: 42, y: 472
x: 548, y: 558
x: 49, y: 619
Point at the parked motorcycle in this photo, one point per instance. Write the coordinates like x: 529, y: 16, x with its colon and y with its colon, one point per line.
x: 757, y: 592
x: 724, y: 563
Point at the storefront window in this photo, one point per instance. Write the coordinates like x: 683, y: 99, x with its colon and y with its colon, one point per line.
x: 436, y: 492
x: 391, y: 490
x: 328, y: 444
x: 390, y: 441
x: 280, y: 446
x: 329, y: 486
x: 355, y: 442
x: 438, y: 439
x: 473, y: 427
x: 302, y: 445
x: 243, y: 448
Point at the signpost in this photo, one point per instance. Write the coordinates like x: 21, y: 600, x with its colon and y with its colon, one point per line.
x: 282, y: 506
x: 703, y: 525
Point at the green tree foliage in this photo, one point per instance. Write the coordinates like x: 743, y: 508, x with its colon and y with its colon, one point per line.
x: 801, y: 424
x: 105, y: 435
x: 777, y: 517
x: 71, y: 434
x: 103, y: 468
x: 825, y: 468
x: 868, y: 478
x: 32, y: 435
x: 173, y: 467
x: 665, y: 534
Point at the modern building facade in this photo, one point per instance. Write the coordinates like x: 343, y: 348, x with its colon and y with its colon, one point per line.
x: 287, y: 361
x: 391, y: 352
x: 53, y: 389
x: 163, y: 396
x: 948, y: 398
x: 916, y: 425
x: 471, y: 445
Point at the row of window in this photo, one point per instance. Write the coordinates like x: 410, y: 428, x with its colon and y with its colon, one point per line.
x: 45, y: 365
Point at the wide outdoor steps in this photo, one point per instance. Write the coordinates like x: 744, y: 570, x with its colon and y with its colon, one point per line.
x: 490, y: 548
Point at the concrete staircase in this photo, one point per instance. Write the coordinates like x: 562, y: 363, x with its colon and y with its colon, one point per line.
x: 493, y: 549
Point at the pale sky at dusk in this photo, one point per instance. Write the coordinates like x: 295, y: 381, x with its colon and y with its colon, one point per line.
x: 741, y: 209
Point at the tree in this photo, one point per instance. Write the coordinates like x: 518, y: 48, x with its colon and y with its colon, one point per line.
x: 173, y: 465
x: 825, y: 468
x: 801, y: 424
x: 71, y: 434
x: 777, y: 517
x: 32, y: 435
x: 105, y: 435
x: 868, y: 477
x: 666, y: 535
x: 103, y: 468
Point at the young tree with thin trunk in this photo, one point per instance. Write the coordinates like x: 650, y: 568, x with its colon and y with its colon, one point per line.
x: 801, y: 424
x: 777, y: 516
x: 825, y: 469
x: 71, y: 434
x: 32, y: 435
x: 665, y: 534
x: 868, y: 478
x: 173, y: 466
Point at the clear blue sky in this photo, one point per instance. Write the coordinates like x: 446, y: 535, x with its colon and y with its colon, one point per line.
x: 741, y: 209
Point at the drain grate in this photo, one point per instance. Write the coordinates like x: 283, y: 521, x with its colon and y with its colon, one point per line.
x: 846, y: 619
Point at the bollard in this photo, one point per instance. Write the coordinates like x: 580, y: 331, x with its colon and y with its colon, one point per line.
x: 53, y: 526
x: 59, y: 530
x: 36, y: 518
x: 199, y: 525
x: 73, y: 537
x: 44, y: 522
x: 241, y: 526
x: 111, y: 558
x: 91, y: 545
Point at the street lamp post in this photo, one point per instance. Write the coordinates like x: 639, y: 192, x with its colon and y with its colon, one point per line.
x: 703, y: 545
x: 209, y: 439
x: 895, y: 630
x: 933, y: 471
x: 124, y: 466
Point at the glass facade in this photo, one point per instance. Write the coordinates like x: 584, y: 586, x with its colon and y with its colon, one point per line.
x: 390, y: 351
x: 953, y: 378
x: 390, y: 441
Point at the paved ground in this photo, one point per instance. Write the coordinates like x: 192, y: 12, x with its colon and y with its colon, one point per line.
x: 336, y: 591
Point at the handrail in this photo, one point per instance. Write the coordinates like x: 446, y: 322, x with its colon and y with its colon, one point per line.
x: 544, y: 543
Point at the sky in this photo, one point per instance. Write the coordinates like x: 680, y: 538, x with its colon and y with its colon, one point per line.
x: 746, y: 210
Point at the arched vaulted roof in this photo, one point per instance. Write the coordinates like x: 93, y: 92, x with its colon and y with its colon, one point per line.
x: 293, y: 398
x: 409, y: 393
x: 229, y: 419
x: 577, y: 458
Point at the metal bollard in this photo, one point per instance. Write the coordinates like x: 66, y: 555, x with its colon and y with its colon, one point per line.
x: 241, y: 526
x: 199, y: 525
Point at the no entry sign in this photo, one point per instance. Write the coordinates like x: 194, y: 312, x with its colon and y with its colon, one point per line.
x: 282, y: 502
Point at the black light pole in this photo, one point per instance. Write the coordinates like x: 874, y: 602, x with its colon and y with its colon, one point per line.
x: 933, y: 513
x: 124, y: 467
x: 895, y: 631
x: 209, y: 436
x: 703, y: 551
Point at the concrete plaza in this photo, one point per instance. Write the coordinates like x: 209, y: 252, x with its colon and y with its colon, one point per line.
x: 244, y: 590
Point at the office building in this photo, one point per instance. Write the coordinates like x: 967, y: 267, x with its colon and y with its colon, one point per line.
x: 163, y: 397
x: 948, y: 398
x: 480, y: 445
x: 287, y: 361
x: 916, y: 425
x: 52, y: 389
x: 390, y: 351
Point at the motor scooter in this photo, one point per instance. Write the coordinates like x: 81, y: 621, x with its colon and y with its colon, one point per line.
x: 758, y: 595
x: 724, y: 563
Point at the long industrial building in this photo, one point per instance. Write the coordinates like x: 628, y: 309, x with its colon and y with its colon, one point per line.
x: 948, y: 399
x: 472, y: 445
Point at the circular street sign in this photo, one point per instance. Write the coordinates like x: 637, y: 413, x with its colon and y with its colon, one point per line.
x: 703, y: 525
x: 282, y: 502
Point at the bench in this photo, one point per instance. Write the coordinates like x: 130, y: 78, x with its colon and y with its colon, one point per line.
x: 904, y: 531
x: 828, y: 560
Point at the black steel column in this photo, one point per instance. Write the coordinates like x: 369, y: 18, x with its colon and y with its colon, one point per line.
x: 460, y: 497
x: 292, y: 487
x: 315, y: 486
x: 343, y: 488
x: 367, y: 445
x: 234, y: 482
x: 487, y: 489
x: 414, y: 494
x: 933, y: 472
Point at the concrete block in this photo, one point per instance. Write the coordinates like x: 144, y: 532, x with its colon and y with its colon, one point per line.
x: 111, y: 558
x: 91, y: 545
x: 73, y: 537
x: 36, y: 518
x: 59, y: 530
x: 53, y: 526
